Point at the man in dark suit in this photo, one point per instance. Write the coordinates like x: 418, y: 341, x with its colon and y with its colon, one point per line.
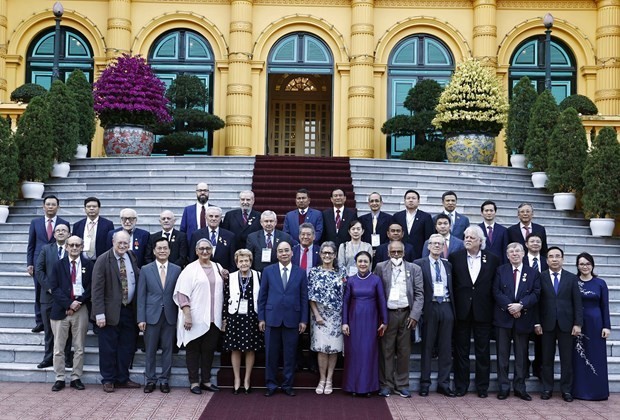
x: 113, y: 297
x: 71, y: 282
x: 40, y: 233
x: 306, y: 247
x: 138, y: 238
x: 516, y: 290
x: 458, y: 222
x: 177, y: 242
x: 336, y: 219
x: 48, y: 257
x: 417, y: 225
x: 263, y: 244
x: 195, y: 215
x: 93, y: 229
x: 518, y: 232
x: 452, y: 243
x: 242, y: 221
x: 496, y: 234
x: 438, y: 320
x: 223, y: 241
x: 282, y: 315
x: 157, y: 313
x: 560, y: 319
x: 473, y: 272
x: 375, y: 223
x: 404, y: 291
x: 394, y: 233
x: 303, y: 214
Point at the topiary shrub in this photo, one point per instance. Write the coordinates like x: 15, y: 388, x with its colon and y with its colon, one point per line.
x: 82, y: 92
x: 523, y: 98
x: 26, y: 92
x: 35, y: 145
x: 581, y: 103
x: 431, y: 151
x: 65, y: 129
x: 9, y: 166
x: 543, y: 119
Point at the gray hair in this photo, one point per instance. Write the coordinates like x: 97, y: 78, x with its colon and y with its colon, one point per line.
x: 476, y: 231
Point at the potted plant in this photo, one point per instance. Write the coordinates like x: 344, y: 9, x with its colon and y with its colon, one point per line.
x: 601, y: 198
x: 9, y: 170
x: 129, y: 99
x: 65, y: 128
x: 188, y: 98
x: 543, y: 119
x: 82, y: 92
x: 472, y: 110
x: 25, y: 92
x: 568, y: 148
x: 35, y: 147
x: 523, y: 97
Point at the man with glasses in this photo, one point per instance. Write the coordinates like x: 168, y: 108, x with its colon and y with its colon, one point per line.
x: 71, y: 282
x: 195, y: 215
x: 263, y: 243
x: 138, y: 238
x: 113, y: 296
x: 520, y: 231
x: 404, y: 291
x: 177, y: 241
x: 394, y: 233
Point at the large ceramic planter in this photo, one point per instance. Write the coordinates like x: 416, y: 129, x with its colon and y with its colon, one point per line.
x: 517, y: 160
x: 539, y: 179
x: 33, y: 190
x: 60, y: 170
x: 602, y: 227
x: 564, y: 201
x: 127, y: 140
x: 470, y: 148
x: 81, y: 151
x: 4, y: 213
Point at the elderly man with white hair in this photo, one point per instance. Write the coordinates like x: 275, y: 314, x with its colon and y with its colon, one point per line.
x: 263, y: 243
x: 177, y: 240
x: 138, y: 238
x: 473, y: 272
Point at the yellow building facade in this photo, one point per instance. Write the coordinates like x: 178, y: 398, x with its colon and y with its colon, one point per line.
x: 319, y: 77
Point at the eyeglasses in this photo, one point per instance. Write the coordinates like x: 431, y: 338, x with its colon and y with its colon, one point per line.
x: 205, y: 249
x: 436, y: 243
x: 128, y: 219
x: 74, y: 245
x: 327, y: 253
x: 396, y: 252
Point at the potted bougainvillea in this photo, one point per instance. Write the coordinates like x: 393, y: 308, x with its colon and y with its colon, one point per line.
x: 129, y: 99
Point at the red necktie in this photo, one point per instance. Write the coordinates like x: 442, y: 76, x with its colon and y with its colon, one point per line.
x: 269, y: 244
x: 490, y: 234
x: 337, y: 220
x: 50, y: 230
x: 245, y: 217
x: 302, y: 217
x: 203, y: 218
x: 527, y: 231
x: 73, y: 277
x: 304, y: 259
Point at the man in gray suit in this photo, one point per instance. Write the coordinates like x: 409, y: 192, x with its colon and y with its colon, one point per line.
x: 157, y: 313
x: 404, y: 291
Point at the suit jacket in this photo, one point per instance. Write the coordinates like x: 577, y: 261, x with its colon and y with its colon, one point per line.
x: 316, y: 258
x: 278, y: 306
x: 470, y: 296
x: 178, y: 247
x: 153, y: 299
x: 48, y: 257
x: 384, y: 220
x: 233, y: 222
x: 527, y: 294
x: 107, y: 294
x: 542, y: 262
x: 138, y: 246
x: 461, y: 222
x: 313, y: 216
x: 500, y: 241
x: 188, y: 220
x: 256, y: 243
x: 455, y: 245
x: 37, y: 238
x: 515, y: 234
x: 427, y: 279
x: 565, y: 308
x: 421, y: 230
x: 329, y: 225
x: 413, y: 281
x: 381, y: 253
x: 224, y: 251
x: 60, y: 282
x: 104, y: 226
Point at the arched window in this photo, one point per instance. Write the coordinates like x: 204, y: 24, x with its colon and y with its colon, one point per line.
x: 415, y: 58
x: 75, y: 53
x: 300, y: 53
x: 184, y: 52
x: 529, y: 60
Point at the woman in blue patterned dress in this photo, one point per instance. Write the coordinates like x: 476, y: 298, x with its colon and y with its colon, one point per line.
x: 325, y: 288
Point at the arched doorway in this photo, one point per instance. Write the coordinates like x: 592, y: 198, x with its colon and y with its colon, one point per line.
x: 299, y: 116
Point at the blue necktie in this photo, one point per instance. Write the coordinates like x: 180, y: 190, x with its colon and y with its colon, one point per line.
x: 284, y: 277
x: 438, y: 280
x: 556, y: 283
x: 59, y: 252
x: 213, y: 238
x: 535, y: 264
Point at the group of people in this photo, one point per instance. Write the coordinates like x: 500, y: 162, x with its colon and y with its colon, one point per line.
x: 364, y: 286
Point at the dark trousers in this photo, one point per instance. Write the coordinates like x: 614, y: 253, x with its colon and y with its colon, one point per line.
x: 37, y: 300
x: 520, y: 341
x: 158, y: 335
x: 565, y: 344
x: 437, y: 327
x: 199, y: 355
x: 482, y: 342
x: 46, y: 311
x: 117, y: 346
x: 280, y: 340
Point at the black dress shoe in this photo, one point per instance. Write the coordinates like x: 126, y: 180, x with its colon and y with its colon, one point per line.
x: 545, y: 395
x: 247, y: 390
x: 460, y: 393
x: 236, y: 391
x: 58, y: 385
x: 149, y: 387
x: 212, y: 388
x: 165, y: 388
x: 44, y: 364
x: 77, y: 384
x: 37, y: 328
x: 447, y: 392
x: 423, y: 392
x: 567, y: 397
x: 523, y: 395
x: 270, y: 392
x: 195, y: 390
x: 483, y: 394
x: 502, y: 395
x: 290, y: 392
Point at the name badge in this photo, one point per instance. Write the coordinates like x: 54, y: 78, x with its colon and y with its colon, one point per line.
x: 266, y: 255
x: 438, y: 289
x: 78, y: 290
x: 243, y: 307
x: 352, y: 270
x: 394, y: 295
x: 375, y: 240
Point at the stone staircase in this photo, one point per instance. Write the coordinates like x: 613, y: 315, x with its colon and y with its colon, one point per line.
x: 150, y: 185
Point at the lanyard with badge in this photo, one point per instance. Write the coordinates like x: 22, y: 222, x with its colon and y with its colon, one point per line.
x: 243, y: 302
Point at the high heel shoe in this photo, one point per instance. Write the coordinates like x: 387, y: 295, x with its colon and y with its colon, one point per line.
x: 320, y: 387
x: 236, y: 391
x: 247, y: 390
x: 328, y: 388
